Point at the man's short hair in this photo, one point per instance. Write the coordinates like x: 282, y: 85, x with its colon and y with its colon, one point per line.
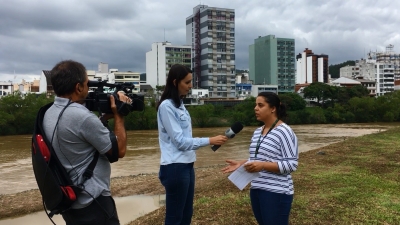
x: 65, y: 75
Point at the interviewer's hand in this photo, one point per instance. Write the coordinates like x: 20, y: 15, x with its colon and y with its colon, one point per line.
x: 218, y: 140
x: 233, y: 165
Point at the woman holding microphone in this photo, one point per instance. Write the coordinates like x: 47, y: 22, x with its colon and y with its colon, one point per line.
x: 178, y: 147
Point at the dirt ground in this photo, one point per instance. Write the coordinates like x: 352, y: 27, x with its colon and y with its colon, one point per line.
x: 27, y: 202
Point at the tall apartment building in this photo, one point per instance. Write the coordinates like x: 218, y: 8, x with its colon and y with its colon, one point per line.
x: 388, y: 57
x: 384, y: 78
x: 271, y: 61
x: 312, y: 67
x: 160, y: 59
x: 211, y: 33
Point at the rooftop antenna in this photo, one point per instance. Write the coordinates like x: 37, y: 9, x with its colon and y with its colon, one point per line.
x: 164, y: 34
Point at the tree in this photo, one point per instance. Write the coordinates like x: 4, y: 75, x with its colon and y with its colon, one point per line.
x: 364, y: 109
x: 201, y: 115
x: 318, y: 90
x: 293, y: 101
x: 244, y: 112
x: 357, y: 91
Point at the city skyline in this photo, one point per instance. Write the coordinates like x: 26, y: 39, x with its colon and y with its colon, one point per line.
x: 35, y: 37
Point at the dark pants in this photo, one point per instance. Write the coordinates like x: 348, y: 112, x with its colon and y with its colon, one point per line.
x: 101, y: 211
x: 178, y: 180
x: 270, y: 208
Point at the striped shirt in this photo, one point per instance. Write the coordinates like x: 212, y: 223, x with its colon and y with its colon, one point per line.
x: 279, y: 145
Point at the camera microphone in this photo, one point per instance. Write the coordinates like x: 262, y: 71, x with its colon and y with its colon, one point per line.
x: 230, y: 133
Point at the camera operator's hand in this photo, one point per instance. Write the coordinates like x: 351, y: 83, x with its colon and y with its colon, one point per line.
x: 124, y: 98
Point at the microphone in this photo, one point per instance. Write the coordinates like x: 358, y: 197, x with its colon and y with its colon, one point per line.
x: 230, y: 133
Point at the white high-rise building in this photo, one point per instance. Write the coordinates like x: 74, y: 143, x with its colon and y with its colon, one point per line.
x: 311, y: 67
x: 160, y: 59
x: 384, y: 78
x: 211, y: 33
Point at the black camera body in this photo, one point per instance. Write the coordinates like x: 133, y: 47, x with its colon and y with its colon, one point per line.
x: 99, y: 101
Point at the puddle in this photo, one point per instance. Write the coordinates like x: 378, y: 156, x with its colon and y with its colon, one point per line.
x: 129, y: 208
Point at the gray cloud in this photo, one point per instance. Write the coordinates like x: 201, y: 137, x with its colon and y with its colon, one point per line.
x: 36, y: 34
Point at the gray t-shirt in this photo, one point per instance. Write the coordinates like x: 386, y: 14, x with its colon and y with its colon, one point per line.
x: 78, y: 135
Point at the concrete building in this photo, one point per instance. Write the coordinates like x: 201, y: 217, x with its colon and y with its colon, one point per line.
x: 91, y: 74
x: 102, y: 67
x: 388, y: 57
x: 255, y: 89
x: 6, y: 88
x: 26, y: 87
x: 384, y: 78
x: 370, y: 85
x: 160, y: 59
x: 128, y: 78
x: 345, y: 82
x: 397, y: 85
x: 45, y: 83
x: 364, y: 69
x: 211, y: 33
x: 199, y: 93
x: 350, y: 82
x: 312, y: 67
x: 349, y: 71
x: 271, y: 61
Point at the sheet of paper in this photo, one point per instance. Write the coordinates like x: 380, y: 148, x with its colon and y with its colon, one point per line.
x: 240, y: 177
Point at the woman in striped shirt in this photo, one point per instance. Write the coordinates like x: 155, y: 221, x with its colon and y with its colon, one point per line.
x: 273, y: 153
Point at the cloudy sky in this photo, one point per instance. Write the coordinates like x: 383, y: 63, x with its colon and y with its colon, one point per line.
x: 36, y: 34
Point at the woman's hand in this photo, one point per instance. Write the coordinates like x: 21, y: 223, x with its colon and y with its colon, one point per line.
x: 254, y: 166
x: 218, y: 140
x: 233, y: 165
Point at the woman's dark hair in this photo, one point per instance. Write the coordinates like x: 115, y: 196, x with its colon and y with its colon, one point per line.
x: 273, y: 101
x: 177, y: 72
x: 65, y: 75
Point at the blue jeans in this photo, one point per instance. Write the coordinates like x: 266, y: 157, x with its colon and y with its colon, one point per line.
x: 270, y: 208
x: 178, y: 180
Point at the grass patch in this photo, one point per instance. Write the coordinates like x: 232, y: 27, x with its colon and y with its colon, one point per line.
x: 355, y: 182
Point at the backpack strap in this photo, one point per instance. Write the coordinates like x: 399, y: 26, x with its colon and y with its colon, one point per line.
x: 89, y: 170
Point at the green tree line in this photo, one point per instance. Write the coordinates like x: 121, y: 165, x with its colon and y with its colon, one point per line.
x: 332, y: 105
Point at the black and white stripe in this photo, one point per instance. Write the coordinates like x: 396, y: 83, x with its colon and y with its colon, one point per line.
x: 280, y: 145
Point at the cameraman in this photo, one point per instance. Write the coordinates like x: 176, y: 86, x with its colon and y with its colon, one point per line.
x: 76, y: 134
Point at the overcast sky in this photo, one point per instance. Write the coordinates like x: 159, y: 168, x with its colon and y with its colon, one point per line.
x: 36, y: 34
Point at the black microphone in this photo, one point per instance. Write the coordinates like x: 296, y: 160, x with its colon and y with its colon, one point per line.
x: 230, y: 133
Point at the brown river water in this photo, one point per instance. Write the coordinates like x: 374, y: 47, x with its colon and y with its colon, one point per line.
x: 143, y: 157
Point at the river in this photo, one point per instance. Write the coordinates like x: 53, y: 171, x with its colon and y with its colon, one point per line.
x: 143, y: 153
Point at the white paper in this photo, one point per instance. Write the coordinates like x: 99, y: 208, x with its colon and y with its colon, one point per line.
x: 240, y: 177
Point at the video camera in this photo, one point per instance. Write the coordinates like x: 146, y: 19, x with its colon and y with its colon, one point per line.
x: 99, y: 101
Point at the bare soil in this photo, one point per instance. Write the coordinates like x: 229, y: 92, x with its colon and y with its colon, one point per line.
x: 27, y: 202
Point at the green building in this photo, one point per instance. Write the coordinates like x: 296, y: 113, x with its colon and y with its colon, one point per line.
x: 272, y: 61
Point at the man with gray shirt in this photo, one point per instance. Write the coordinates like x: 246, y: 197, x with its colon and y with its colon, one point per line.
x: 76, y: 134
